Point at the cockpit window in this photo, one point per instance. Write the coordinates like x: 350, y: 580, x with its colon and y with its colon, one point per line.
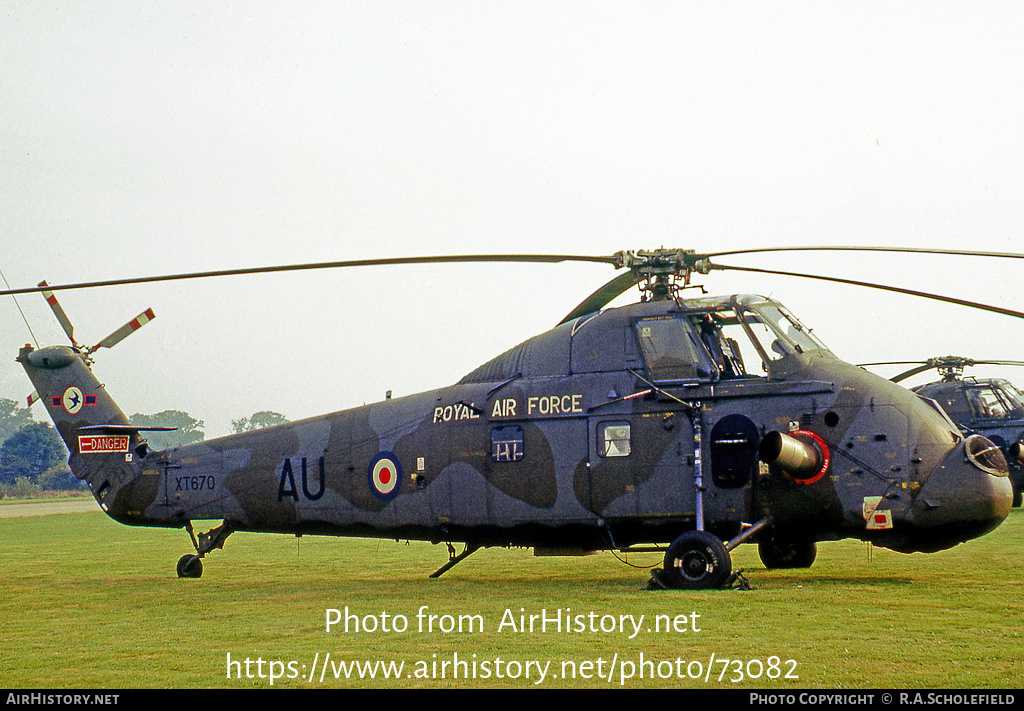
x: 790, y: 333
x: 672, y: 350
x: 1015, y: 393
x: 739, y: 340
x: 743, y: 341
x: 772, y: 346
x: 990, y: 402
x: 1014, y: 398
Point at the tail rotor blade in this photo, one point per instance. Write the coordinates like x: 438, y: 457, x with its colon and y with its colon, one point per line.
x: 62, y: 317
x: 126, y: 330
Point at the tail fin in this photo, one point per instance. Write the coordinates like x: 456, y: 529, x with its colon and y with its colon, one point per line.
x: 105, y: 448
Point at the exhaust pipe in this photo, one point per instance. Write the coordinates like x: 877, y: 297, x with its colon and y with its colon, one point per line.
x: 801, y: 455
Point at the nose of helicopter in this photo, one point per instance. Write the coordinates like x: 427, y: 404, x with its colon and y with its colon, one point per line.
x: 966, y: 496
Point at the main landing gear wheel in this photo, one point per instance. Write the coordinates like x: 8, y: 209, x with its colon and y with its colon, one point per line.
x: 787, y: 554
x: 190, y: 566
x: 697, y: 560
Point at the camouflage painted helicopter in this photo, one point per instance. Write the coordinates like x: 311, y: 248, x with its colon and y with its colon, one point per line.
x: 992, y: 407
x: 696, y: 424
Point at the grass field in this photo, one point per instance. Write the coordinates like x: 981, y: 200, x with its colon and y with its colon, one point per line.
x: 88, y: 603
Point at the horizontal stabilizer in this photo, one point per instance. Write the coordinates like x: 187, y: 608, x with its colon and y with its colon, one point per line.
x: 127, y: 428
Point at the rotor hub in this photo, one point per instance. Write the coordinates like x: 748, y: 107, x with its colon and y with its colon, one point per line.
x: 950, y: 367
x: 662, y: 272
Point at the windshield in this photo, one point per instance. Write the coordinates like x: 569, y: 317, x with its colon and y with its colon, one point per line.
x: 752, y: 335
x: 787, y: 335
x: 716, y: 339
x: 993, y: 401
x: 1015, y: 396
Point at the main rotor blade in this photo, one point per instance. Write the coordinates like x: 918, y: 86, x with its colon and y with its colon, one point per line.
x: 912, y: 372
x: 600, y: 298
x: 455, y: 259
x: 62, y: 317
x: 126, y: 330
x: 510, y: 258
x: 958, y: 362
x: 944, y: 359
x: 883, y: 287
x: 840, y: 248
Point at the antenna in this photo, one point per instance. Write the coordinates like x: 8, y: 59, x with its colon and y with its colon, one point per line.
x: 23, y: 318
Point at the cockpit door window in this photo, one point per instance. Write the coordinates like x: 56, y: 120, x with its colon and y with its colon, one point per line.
x: 672, y: 350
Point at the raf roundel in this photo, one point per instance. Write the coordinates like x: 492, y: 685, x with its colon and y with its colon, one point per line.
x: 385, y: 476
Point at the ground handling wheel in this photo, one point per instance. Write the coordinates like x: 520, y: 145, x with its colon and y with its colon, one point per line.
x: 697, y: 560
x: 190, y: 566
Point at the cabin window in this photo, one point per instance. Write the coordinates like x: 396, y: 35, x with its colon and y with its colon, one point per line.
x: 615, y: 440
x: 507, y: 444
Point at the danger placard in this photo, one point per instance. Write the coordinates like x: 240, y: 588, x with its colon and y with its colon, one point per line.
x: 96, y: 444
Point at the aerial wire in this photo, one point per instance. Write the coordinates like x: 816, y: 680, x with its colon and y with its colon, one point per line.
x: 23, y: 318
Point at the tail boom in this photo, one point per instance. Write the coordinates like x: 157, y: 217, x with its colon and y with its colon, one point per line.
x: 105, y: 448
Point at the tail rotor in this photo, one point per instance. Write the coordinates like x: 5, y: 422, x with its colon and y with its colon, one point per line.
x: 110, y: 341
x: 69, y: 328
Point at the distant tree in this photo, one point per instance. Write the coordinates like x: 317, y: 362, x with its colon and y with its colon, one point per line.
x: 12, y: 418
x: 22, y: 488
x: 59, y: 478
x: 258, y: 421
x: 189, y: 429
x: 30, y: 451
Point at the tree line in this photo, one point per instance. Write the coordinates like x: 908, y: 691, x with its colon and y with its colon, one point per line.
x: 33, y: 457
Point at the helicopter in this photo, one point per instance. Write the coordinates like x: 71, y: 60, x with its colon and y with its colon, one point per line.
x: 993, y: 407
x: 686, y: 426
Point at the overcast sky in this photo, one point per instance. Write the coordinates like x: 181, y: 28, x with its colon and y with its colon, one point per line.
x: 154, y: 138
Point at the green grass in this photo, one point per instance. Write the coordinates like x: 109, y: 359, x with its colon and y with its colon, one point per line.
x: 89, y: 603
x: 48, y: 496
